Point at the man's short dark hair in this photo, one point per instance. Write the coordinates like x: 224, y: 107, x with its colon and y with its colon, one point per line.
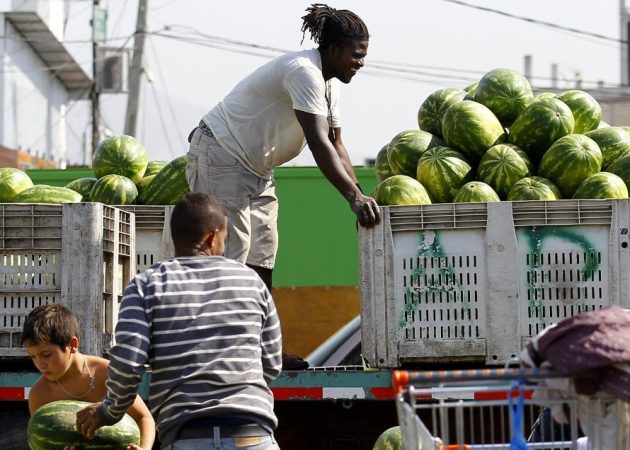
x: 50, y: 323
x: 194, y: 216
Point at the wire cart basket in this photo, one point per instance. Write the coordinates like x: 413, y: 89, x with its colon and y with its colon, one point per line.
x: 510, y: 408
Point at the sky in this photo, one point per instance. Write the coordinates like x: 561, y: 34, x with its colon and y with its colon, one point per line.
x: 416, y: 47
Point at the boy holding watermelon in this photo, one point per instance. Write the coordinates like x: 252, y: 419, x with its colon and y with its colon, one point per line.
x: 50, y: 337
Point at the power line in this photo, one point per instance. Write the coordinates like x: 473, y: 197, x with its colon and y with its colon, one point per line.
x: 168, y: 97
x: 538, y: 22
x: 394, y: 68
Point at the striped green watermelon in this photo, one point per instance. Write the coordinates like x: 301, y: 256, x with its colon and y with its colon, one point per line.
x: 443, y: 171
x: 569, y: 161
x: 476, y: 192
x: 381, y: 165
x: 603, y: 124
x: 542, y: 95
x: 432, y: 110
x: 614, y: 143
x: 169, y: 185
x: 114, y: 190
x: 144, y: 183
x: 472, y: 128
x: 621, y: 168
x: 502, y: 166
x: 390, y: 439
x: 586, y: 111
x: 83, y: 186
x: 624, y: 127
x: 53, y: 427
x: 534, y: 188
x: 12, y: 182
x: 120, y: 155
x: 401, y: 190
x: 505, y: 92
x: 42, y: 193
x: 472, y: 88
x: 602, y: 185
x: 405, y: 150
x: 540, y: 125
x: 154, y: 167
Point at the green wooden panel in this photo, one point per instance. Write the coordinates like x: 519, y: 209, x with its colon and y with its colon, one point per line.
x: 318, y: 237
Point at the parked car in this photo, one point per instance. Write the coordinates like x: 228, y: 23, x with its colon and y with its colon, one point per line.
x: 343, y: 348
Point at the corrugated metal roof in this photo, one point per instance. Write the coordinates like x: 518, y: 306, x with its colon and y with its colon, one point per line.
x: 50, y: 50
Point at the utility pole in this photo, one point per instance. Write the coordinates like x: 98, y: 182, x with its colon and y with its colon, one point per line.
x: 625, y: 48
x: 135, y: 71
x: 99, y: 35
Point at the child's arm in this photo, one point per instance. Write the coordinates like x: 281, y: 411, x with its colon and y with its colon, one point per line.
x: 141, y: 414
x: 35, y: 398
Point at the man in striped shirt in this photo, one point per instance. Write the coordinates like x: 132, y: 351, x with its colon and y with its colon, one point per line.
x: 207, y: 327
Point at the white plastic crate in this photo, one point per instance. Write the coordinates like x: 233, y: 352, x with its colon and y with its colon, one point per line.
x: 153, y: 234
x: 75, y: 254
x: 475, y: 281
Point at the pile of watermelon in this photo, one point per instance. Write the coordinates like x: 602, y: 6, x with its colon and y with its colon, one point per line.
x: 494, y: 140
x: 123, y: 176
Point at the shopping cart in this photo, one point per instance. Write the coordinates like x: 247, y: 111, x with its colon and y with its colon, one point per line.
x: 510, y: 408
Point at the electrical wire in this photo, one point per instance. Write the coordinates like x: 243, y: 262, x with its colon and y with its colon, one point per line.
x: 538, y: 22
x: 169, y: 102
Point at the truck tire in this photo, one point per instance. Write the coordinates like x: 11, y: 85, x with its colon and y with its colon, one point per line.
x: 14, y: 437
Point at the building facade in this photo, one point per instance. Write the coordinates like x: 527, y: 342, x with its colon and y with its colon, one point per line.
x: 38, y: 81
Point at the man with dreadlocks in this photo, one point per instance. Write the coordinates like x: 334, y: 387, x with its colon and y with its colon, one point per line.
x: 266, y: 120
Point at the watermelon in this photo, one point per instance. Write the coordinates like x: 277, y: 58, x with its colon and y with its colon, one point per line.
x: 83, y: 186
x: 621, y: 168
x: 405, y: 149
x: 614, y: 143
x: 154, y: 167
x: 471, y: 88
x: 42, y: 193
x: 603, y: 124
x: 472, y: 128
x: 169, y: 185
x: 476, y: 192
x: 12, y: 182
x: 586, y: 111
x: 120, y: 155
x: 534, y: 188
x: 602, y: 185
x: 624, y: 127
x: 144, y: 183
x: 443, y: 171
x: 390, y: 439
x: 502, y: 166
x: 540, y: 125
x: 542, y: 95
x: 433, y: 108
x: 569, y: 161
x: 401, y: 190
x: 114, y: 190
x: 505, y: 92
x: 53, y: 427
x: 381, y: 165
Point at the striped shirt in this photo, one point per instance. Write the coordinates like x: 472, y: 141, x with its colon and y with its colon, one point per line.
x: 207, y: 326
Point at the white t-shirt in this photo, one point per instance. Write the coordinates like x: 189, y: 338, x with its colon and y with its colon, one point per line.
x: 256, y: 122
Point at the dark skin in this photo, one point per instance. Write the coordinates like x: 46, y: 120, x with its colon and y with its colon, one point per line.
x: 342, y: 61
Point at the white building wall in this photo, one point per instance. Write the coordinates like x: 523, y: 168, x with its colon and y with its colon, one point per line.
x: 33, y: 101
x: 52, y: 13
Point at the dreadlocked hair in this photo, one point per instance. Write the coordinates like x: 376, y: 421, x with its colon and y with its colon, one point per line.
x: 330, y: 26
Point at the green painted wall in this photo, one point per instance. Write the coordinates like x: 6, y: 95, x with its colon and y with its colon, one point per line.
x: 318, y: 237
